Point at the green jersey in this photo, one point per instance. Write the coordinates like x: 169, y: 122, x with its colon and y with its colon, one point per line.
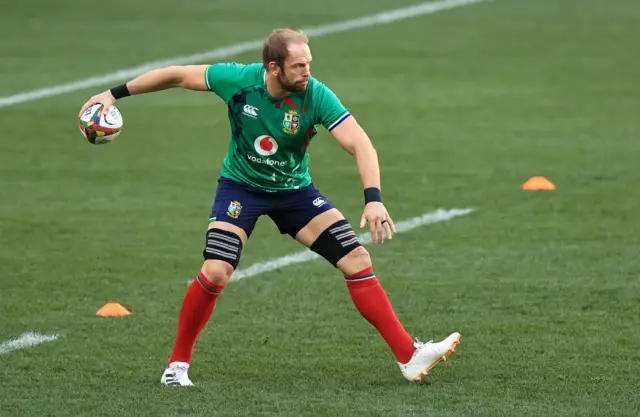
x: 269, y: 135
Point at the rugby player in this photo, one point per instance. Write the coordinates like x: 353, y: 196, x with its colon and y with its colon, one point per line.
x: 275, y: 108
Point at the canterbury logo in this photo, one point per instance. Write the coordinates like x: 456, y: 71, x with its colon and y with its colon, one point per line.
x: 250, y: 111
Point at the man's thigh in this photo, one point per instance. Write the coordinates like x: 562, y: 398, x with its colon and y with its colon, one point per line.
x: 295, y: 210
x: 236, y: 205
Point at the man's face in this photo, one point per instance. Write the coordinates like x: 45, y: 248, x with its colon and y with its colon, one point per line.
x: 294, y: 77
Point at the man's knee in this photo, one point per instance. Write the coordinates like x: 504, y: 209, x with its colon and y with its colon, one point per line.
x: 359, y: 254
x: 336, y: 242
x: 222, y: 254
x: 223, y: 245
x: 216, y: 271
x: 355, y: 261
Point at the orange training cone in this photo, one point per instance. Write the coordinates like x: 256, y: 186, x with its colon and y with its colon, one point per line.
x: 538, y: 183
x: 113, y: 310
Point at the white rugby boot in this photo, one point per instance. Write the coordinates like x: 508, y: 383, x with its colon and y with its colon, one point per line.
x: 427, y: 355
x: 176, y: 375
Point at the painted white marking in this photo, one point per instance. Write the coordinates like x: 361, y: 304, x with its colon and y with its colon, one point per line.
x: 26, y: 340
x: 382, y: 18
x: 365, y: 238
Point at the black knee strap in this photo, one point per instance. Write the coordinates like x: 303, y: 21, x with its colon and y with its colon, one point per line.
x: 335, y: 242
x: 223, y: 245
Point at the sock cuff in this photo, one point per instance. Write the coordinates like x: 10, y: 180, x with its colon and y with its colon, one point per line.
x: 208, y: 286
x: 369, y: 282
x: 362, y: 274
x: 364, y: 278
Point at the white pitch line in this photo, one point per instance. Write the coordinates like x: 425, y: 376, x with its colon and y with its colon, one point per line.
x: 365, y: 238
x: 26, y: 340
x: 382, y: 18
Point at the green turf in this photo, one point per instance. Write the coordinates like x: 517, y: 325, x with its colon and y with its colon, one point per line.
x: 463, y: 107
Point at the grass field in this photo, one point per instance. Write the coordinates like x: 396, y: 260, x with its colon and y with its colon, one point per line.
x: 463, y: 106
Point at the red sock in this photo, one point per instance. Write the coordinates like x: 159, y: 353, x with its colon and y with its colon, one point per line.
x: 196, y: 309
x: 372, y: 302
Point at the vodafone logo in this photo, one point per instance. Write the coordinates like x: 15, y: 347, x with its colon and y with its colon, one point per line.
x: 265, y: 145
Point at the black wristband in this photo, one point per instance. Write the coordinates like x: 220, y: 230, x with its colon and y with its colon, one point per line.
x: 371, y: 194
x: 120, y: 91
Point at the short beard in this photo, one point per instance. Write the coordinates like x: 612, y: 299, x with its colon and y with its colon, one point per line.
x: 290, y: 87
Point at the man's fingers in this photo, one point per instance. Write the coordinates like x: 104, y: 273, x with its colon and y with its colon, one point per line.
x: 379, y: 231
x: 393, y: 226
x: 380, y: 225
x: 85, y: 107
x: 387, y: 229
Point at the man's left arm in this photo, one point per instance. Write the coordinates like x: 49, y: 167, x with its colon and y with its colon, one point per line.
x: 346, y: 130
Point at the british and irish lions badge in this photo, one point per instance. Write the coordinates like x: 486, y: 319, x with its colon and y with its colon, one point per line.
x: 234, y: 209
x: 291, y: 122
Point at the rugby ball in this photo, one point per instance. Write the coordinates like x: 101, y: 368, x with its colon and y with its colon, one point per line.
x: 100, y: 127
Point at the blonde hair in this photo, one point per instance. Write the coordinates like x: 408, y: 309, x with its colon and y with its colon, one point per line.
x: 275, y: 47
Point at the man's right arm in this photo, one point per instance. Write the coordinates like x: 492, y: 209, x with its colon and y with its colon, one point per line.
x: 190, y: 77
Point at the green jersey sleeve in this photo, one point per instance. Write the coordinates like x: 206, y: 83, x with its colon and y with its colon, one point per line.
x: 225, y: 79
x: 331, y: 112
